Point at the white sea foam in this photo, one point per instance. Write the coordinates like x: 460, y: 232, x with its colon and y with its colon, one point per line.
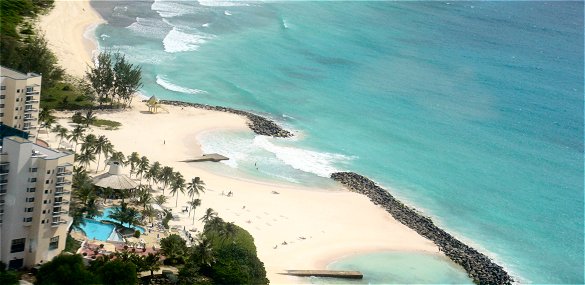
x: 205, y: 25
x: 169, y: 9
x: 285, y: 24
x: 149, y: 27
x: 215, y: 3
x: 227, y: 13
x: 121, y: 8
x: 319, y: 163
x: 178, y: 41
x: 162, y: 81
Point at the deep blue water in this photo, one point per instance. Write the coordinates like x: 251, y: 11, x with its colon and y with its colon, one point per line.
x: 469, y: 111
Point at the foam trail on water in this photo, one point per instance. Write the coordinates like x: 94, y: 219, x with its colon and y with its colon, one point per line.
x: 169, y: 9
x: 215, y: 3
x: 149, y: 27
x: 160, y: 80
x: 178, y: 41
x: 319, y: 163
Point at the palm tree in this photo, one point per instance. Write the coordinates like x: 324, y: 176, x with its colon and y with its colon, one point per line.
x: 89, y: 143
x: 107, y: 192
x: 101, y: 145
x: 61, y: 133
x: 204, y: 251
x: 119, y: 157
x: 153, y: 172
x: 108, y: 152
x: 195, y: 187
x: 229, y: 231
x: 177, y: 185
x: 85, y: 158
x: 126, y: 215
x: 89, y: 118
x: 209, y: 215
x: 144, y: 197
x: 160, y: 200
x: 142, y: 167
x: 166, y: 176
x: 76, y: 135
x: 133, y: 159
x: 152, y: 262
x: 46, y: 118
x: 194, y: 204
x: 149, y: 212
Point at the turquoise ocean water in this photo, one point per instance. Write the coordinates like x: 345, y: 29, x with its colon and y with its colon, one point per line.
x: 472, y: 112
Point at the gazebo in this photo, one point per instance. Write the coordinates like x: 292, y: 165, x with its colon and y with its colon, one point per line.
x: 114, y: 179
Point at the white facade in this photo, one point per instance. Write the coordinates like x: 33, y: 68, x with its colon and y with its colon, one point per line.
x: 35, y: 190
x: 19, y: 100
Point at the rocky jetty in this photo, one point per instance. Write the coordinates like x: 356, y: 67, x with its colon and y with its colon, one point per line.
x: 479, y: 267
x: 258, y: 124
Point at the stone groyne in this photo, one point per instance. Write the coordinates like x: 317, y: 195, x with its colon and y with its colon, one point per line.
x: 479, y: 267
x: 258, y: 124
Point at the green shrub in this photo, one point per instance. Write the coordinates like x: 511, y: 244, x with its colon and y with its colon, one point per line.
x: 136, y: 233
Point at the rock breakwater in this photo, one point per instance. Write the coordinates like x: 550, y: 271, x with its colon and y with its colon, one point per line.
x: 258, y: 124
x: 478, y: 266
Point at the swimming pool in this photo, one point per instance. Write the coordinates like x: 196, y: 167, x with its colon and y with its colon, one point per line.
x: 94, y: 229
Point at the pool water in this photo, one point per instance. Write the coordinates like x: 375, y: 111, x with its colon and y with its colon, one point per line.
x: 94, y: 229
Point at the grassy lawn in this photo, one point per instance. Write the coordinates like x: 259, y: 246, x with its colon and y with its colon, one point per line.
x: 107, y: 124
x: 63, y: 96
x: 71, y: 245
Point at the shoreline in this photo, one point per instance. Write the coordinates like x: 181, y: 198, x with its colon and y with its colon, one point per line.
x: 319, y: 225
x: 478, y: 266
x: 65, y: 28
x: 328, y: 241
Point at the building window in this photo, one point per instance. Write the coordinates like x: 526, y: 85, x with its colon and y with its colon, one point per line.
x: 27, y: 220
x: 16, y: 263
x: 17, y: 245
x: 17, y: 101
x: 33, y: 179
x: 2, y: 96
x: 28, y: 210
x: 43, y: 221
x: 46, y: 191
x: 45, y: 202
x: 30, y: 199
x: 48, y: 171
x: 1, y: 105
x: 47, y: 181
x: 31, y: 189
x: 1, y: 114
x: 33, y: 169
x: 44, y: 211
x: 54, y: 244
x: 2, y: 87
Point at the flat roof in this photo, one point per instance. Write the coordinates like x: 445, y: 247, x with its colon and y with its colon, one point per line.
x: 7, y: 72
x: 47, y: 153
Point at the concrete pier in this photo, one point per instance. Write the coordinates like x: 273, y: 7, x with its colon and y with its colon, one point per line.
x: 326, y: 273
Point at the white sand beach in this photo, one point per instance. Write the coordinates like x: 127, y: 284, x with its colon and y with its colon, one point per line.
x: 318, y: 225
x: 65, y: 28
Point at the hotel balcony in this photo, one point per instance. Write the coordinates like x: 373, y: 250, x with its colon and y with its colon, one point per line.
x: 59, y: 213
x: 3, y: 181
x: 62, y: 202
x: 63, y: 173
x: 31, y: 100
x: 26, y: 128
x: 61, y: 193
x: 4, y: 171
x: 3, y: 191
x: 62, y: 182
x: 30, y: 119
x: 29, y: 110
x: 58, y: 223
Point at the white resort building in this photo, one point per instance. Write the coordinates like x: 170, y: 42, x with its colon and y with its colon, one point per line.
x: 35, y: 181
x: 19, y: 100
x: 35, y: 190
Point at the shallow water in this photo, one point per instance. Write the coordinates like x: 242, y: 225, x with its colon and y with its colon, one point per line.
x: 470, y: 111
